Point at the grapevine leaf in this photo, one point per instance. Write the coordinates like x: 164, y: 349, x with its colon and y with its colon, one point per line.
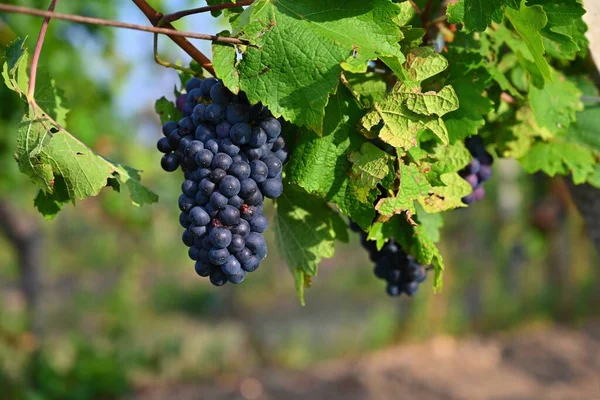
x: 166, y: 110
x: 320, y: 166
x: 370, y: 166
x: 560, y: 157
x: 586, y: 130
x: 479, y: 14
x: 305, y: 232
x: 448, y: 196
x: 445, y: 159
x: 231, y: 13
x: 413, y: 186
x: 456, y: 12
x: 528, y: 22
x: 423, y: 63
x: 430, y: 224
x: 370, y: 87
x: 62, y: 166
x: 14, y: 70
x: 555, y: 106
x: 298, y: 50
x: 224, y: 60
x: 429, y: 103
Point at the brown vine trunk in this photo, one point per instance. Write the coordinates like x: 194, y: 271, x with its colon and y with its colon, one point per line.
x: 25, y: 236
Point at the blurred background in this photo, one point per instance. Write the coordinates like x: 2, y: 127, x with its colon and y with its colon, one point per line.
x: 103, y: 302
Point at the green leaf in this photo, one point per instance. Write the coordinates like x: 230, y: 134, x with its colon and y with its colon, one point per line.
x: 423, y: 63
x: 430, y: 103
x: 305, y: 232
x: 166, y: 110
x: 320, y: 164
x: 449, y: 195
x: 224, y: 61
x: 528, y: 22
x: 479, y: 14
x: 370, y: 87
x: 456, y: 12
x: 555, y: 106
x: 370, y: 166
x: 586, y: 130
x: 413, y: 186
x: 14, y: 70
x: 61, y: 166
x: 299, y: 49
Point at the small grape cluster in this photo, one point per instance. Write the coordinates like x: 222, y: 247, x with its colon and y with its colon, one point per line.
x: 402, y: 272
x: 478, y: 171
x: 232, y: 156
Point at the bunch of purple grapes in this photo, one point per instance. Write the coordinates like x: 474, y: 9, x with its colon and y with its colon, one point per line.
x: 478, y: 171
x: 402, y: 272
x: 232, y: 155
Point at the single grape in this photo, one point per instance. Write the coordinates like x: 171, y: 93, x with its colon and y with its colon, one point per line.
x: 468, y: 199
x: 199, y: 217
x: 220, y: 94
x: 185, y: 203
x: 189, y: 188
x: 206, y: 187
x: 278, y: 144
x: 174, y: 139
x: 184, y: 220
x: 204, y: 133
x: 232, y: 266
x: 254, y: 154
x: 192, y: 84
x: 248, y: 187
x: 479, y: 193
x: 204, y: 269
x: 271, y: 188
x: 242, y: 228
x: 255, y: 199
x: 221, y: 160
x: 485, y: 173
x: 393, y: 290
x: 197, y: 231
x: 187, y: 238
x: 169, y: 127
x: 218, y: 256
x: 206, y: 85
x: 218, y: 278
x: 212, y: 211
x: 217, y: 175
x: 228, y: 147
x: 186, y: 126
x: 237, y: 244
x: 252, y: 264
x: 229, y: 215
x: 474, y: 166
x: 274, y: 166
x: 472, y: 179
x: 204, y: 158
x: 271, y: 126
x: 193, y: 253
x: 214, y: 113
x: 259, y: 170
x: 193, y: 148
x: 223, y: 129
x: 218, y: 200
x: 198, y: 114
x: 240, y: 133
x: 259, y: 137
x: 240, y: 170
x: 282, y: 155
x: 244, y: 255
x: 220, y: 237
x: 236, y: 113
x: 259, y: 224
x: 229, y: 186
x: 256, y: 243
x: 212, y: 145
x: 163, y: 145
x: 235, y: 201
x: 237, y: 278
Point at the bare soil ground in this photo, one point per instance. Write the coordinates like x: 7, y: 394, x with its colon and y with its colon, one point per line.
x: 546, y: 364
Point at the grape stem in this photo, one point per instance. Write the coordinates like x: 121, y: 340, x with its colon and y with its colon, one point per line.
x: 167, y: 19
x: 38, y: 50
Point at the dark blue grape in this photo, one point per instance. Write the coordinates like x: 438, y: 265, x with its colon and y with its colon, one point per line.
x: 199, y: 216
x: 206, y: 244
x: 216, y: 175
x: 218, y: 256
x: 259, y: 170
x: 226, y: 146
x: 251, y: 265
x: 169, y: 127
x: 256, y: 243
x: 474, y: 166
x: 278, y: 144
x: 235, y: 201
x: 485, y: 173
x: 188, y: 109
x: 192, y: 84
x: 271, y: 126
x: 242, y: 228
x: 193, y: 96
x: 212, y: 145
x: 468, y: 199
x: 193, y: 253
x: 240, y: 170
x: 238, y: 278
x: 204, y: 158
x: 259, y: 137
x: 163, y: 145
x: 249, y: 212
x: 229, y: 186
x: 221, y: 160
x: 186, y: 126
x: 189, y: 188
x: 202, y: 252
x: 274, y: 166
x: 193, y: 148
x: 237, y: 244
x: 229, y: 215
x: 254, y: 154
x: 393, y: 290
x: 197, y: 231
x: 184, y: 220
x: 218, y: 200
x: 201, y: 199
x: 186, y: 203
x: 255, y: 199
x: 174, y: 139
x: 206, y: 85
x: 204, y: 133
x: 282, y: 155
x: 259, y: 224
x: 184, y: 142
x: 410, y: 288
x: 214, y: 113
x: 223, y: 129
x: 236, y: 113
x: 217, y: 277
x: 271, y: 188
x: 212, y: 211
x: 204, y: 269
x: 198, y: 114
x: 187, y: 238
x: 220, y: 237
x: 232, y: 266
x: 206, y: 187
x: 240, y: 133
x: 220, y: 94
x: 169, y: 162
x: 243, y: 255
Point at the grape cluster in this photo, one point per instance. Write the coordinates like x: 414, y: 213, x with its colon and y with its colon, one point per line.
x: 478, y: 171
x: 402, y: 272
x: 232, y: 155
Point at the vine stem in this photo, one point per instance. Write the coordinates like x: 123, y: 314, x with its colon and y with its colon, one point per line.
x: 415, y: 6
x: 38, y: 50
x: 169, y: 31
x: 166, y: 19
